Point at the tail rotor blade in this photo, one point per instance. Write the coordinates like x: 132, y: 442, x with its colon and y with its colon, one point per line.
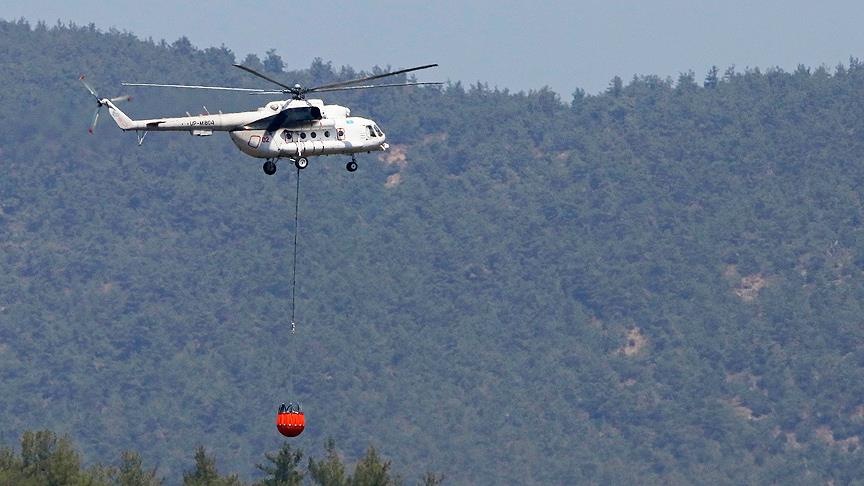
x: 89, y: 88
x: 95, y: 119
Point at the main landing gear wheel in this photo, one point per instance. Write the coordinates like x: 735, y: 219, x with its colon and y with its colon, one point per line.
x: 351, y: 166
x: 301, y: 163
x: 269, y: 167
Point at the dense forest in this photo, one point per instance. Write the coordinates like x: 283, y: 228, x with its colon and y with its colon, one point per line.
x: 45, y: 458
x: 662, y: 283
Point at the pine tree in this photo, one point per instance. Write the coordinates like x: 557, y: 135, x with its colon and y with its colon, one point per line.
x: 372, y: 470
x: 49, y: 459
x: 205, y: 473
x: 283, y: 468
x: 10, y: 467
x: 330, y: 471
x: 273, y: 62
x: 711, y: 80
x: 432, y: 479
x: 616, y: 86
x: 686, y: 81
x: 578, y: 99
x: 131, y: 472
x: 254, y: 62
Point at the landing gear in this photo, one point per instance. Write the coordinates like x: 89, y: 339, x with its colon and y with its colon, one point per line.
x: 269, y: 167
x: 301, y: 163
x: 351, y: 166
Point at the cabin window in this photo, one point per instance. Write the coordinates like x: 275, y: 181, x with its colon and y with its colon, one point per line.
x: 302, y: 134
x: 313, y: 134
x: 287, y: 135
x: 326, y: 133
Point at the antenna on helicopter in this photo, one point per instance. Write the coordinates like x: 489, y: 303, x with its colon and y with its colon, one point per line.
x: 299, y: 92
x: 100, y: 102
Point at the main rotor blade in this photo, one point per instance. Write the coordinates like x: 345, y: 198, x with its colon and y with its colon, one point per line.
x: 269, y: 92
x: 121, y: 98
x: 370, y: 78
x: 393, y: 85
x: 256, y: 73
x: 221, y: 88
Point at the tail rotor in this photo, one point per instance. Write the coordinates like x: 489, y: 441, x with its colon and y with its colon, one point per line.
x: 95, y: 119
x: 100, y: 102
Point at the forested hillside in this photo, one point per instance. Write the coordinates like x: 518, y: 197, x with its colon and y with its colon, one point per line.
x: 661, y: 283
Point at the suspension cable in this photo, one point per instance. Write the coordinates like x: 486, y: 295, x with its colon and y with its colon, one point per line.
x: 296, y: 229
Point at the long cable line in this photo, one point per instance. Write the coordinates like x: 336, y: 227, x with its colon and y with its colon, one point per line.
x: 291, y: 347
x: 296, y: 229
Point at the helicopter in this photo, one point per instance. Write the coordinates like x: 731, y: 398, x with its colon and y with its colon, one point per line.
x: 295, y: 129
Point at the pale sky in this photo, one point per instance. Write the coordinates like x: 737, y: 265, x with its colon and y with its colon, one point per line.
x: 517, y: 45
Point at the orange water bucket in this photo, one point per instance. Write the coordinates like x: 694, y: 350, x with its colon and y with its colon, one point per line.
x: 290, y: 424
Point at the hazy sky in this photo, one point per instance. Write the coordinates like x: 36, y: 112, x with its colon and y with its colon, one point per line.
x: 518, y: 45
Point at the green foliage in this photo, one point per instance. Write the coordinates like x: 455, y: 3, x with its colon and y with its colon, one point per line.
x: 131, y: 472
x: 46, y: 459
x: 372, y: 470
x: 330, y: 471
x: 205, y: 473
x: 711, y: 79
x: 273, y: 62
x: 662, y: 283
x: 282, y: 470
x: 432, y: 479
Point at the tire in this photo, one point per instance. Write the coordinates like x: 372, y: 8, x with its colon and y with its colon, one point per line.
x: 301, y: 163
x: 351, y: 166
x: 269, y: 167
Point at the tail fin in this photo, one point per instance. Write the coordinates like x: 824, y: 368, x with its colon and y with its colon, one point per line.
x: 123, y: 121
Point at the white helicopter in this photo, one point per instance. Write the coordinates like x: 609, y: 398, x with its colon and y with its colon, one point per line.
x: 293, y: 129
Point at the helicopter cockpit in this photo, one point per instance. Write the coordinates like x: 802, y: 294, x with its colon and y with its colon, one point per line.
x: 374, y: 131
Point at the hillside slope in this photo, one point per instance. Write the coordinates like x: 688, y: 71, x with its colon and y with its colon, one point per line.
x: 661, y: 283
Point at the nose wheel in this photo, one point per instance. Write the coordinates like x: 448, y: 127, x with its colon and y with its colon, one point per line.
x: 351, y: 166
x: 269, y: 167
x: 301, y: 162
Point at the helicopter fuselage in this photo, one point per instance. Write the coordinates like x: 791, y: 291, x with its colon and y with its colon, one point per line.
x: 290, y: 129
x: 342, y: 135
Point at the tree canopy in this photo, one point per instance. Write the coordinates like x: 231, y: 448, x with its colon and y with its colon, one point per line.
x: 660, y: 283
x: 46, y: 459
